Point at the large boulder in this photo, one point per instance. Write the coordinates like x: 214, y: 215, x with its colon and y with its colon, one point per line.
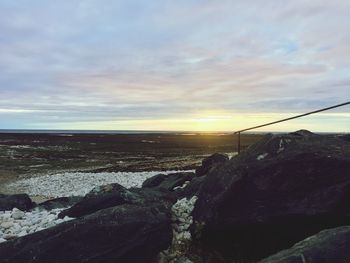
x: 277, y: 192
x: 210, y: 162
x: 168, y: 181
x: 332, y: 245
x: 110, y: 195
x: 20, y: 201
x: 126, y: 233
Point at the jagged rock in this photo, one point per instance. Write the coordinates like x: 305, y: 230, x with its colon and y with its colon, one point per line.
x: 256, y: 205
x: 154, y: 181
x: 169, y: 181
x: 191, y: 189
x: 154, y: 195
x: 60, y: 202
x: 332, y: 245
x: 210, y: 162
x: 126, y: 233
x: 110, y: 195
x: 176, y: 179
x: 20, y: 201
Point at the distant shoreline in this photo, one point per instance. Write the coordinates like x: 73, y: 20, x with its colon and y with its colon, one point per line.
x: 135, y: 132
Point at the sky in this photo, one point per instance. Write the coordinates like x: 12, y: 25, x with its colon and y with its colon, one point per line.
x: 191, y: 65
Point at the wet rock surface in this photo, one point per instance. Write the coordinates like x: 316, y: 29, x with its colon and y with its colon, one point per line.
x: 255, y: 205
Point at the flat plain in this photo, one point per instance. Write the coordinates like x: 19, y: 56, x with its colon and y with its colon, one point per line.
x: 33, y: 154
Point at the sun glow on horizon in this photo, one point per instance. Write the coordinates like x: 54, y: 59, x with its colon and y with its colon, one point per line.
x: 216, y: 121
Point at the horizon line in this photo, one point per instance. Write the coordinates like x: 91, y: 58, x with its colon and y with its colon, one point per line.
x: 95, y: 131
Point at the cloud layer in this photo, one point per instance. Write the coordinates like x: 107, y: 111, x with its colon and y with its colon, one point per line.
x: 149, y: 64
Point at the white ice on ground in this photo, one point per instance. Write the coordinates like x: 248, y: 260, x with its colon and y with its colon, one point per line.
x: 262, y: 156
x: 16, y: 223
x: 79, y: 184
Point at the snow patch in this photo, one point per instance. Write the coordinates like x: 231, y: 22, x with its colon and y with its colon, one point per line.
x: 262, y: 156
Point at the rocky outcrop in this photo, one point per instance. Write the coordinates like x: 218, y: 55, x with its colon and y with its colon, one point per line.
x: 168, y: 181
x: 330, y: 245
x: 210, y: 162
x: 125, y: 233
x: 182, y: 185
x: 279, y: 191
x: 110, y: 195
x: 190, y: 189
x: 154, y: 181
x: 20, y: 201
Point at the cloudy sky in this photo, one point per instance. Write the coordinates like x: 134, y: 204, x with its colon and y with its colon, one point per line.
x: 173, y: 65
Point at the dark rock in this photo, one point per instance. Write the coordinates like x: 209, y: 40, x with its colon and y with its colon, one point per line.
x: 20, y: 201
x: 153, y: 195
x: 276, y: 193
x: 60, y: 202
x: 176, y: 179
x: 332, y: 245
x: 154, y: 181
x: 210, y: 162
x: 125, y: 233
x: 345, y: 137
x: 303, y: 133
x: 100, y: 197
x: 191, y: 189
x: 168, y: 181
x: 110, y: 195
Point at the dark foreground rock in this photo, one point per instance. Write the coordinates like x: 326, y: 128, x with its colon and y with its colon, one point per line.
x: 276, y: 193
x: 111, y: 195
x: 20, y: 201
x: 125, y: 233
x: 210, y: 162
x: 331, y: 245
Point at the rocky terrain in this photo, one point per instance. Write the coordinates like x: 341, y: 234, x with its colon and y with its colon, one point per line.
x: 284, y: 199
x: 23, y: 155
